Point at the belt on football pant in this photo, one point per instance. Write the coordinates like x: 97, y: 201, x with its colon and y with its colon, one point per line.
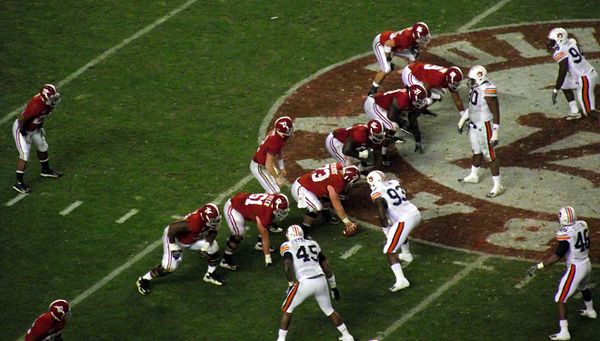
x: 317, y: 276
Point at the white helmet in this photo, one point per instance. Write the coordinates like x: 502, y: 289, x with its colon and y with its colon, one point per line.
x: 477, y: 75
x: 374, y: 178
x: 566, y: 215
x: 557, y: 36
x: 294, y: 232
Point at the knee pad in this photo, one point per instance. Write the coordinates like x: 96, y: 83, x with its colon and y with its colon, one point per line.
x: 311, y: 214
x: 234, y: 241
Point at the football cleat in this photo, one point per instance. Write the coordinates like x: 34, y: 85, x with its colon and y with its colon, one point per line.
x: 143, y: 286
x: 385, y: 160
x: 228, y: 266
x: 401, y: 284
x: 495, y: 192
x: 258, y: 247
x: 471, y: 179
x: 574, y: 116
x: 560, y: 336
x: 21, y: 188
x: 346, y: 338
x: 588, y: 313
x: 50, y: 173
x: 275, y: 229
x: 213, y: 278
x: 405, y: 257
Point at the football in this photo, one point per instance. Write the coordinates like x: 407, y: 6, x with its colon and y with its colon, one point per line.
x: 350, y: 231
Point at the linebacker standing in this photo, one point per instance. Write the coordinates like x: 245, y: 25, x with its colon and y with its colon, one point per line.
x: 484, y: 115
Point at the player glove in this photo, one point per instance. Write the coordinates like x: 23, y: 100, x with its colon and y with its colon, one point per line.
x: 418, y: 148
x: 531, y: 271
x: 43, y: 132
x: 464, y: 117
x: 175, y: 251
x: 554, y: 94
x: 494, y: 139
x: 203, y: 251
x: 290, y: 286
x: 268, y: 261
x: 333, y: 290
x: 392, y: 66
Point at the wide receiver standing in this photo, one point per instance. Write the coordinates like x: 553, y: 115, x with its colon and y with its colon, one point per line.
x: 304, y: 259
x: 318, y: 190
x: 575, y: 73
x: 267, y: 165
x: 49, y: 325
x: 403, y: 43
x: 484, y: 116
x: 398, y: 217
x: 573, y: 244
x: 28, y: 129
x: 197, y: 231
x: 261, y: 208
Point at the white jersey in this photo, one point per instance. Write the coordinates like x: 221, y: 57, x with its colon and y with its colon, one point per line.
x: 479, y: 111
x: 305, y: 253
x: 398, y: 205
x: 578, y: 65
x: 579, y: 241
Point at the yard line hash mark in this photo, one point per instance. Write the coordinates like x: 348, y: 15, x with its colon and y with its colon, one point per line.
x: 351, y: 251
x: 16, y: 199
x: 71, y: 207
x: 127, y: 215
x: 106, y: 54
x: 476, y: 20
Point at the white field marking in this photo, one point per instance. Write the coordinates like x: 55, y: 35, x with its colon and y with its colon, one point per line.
x: 16, y: 199
x: 524, y: 282
x: 351, y: 251
x: 127, y: 215
x: 106, y: 54
x: 71, y: 207
x: 429, y: 299
x: 177, y: 217
x: 482, y: 16
x: 483, y: 267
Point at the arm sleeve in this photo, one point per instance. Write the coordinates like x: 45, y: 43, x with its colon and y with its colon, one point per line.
x: 562, y: 248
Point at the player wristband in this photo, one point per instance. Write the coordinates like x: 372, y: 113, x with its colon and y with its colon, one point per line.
x: 268, y: 259
x: 540, y: 265
x: 387, y: 49
x: 363, y: 154
x: 290, y: 283
x: 331, y: 281
x: 346, y: 220
x: 173, y: 247
x: 554, y: 90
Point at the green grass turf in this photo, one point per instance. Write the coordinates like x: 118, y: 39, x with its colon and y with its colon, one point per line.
x: 168, y: 123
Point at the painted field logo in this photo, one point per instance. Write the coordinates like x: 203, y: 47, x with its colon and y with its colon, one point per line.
x: 546, y: 161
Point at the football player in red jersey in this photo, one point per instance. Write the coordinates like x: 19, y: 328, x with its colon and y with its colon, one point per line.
x: 28, y: 129
x: 387, y: 107
x: 403, y: 43
x: 260, y: 208
x: 267, y: 165
x: 357, y: 143
x: 197, y: 231
x: 320, y: 189
x: 49, y: 325
x: 436, y: 79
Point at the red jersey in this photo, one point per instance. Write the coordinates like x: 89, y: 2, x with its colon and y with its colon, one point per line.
x: 254, y: 205
x: 35, y: 112
x: 401, y: 96
x: 196, y: 226
x: 328, y: 175
x: 358, y: 132
x: 45, y: 326
x: 432, y: 75
x: 272, y: 144
x: 403, y: 40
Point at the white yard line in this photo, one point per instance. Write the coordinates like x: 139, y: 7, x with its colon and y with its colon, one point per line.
x: 15, y: 199
x: 127, y: 215
x: 524, y: 282
x: 483, y: 267
x: 429, y: 299
x: 106, y: 54
x: 71, y: 207
x: 177, y: 217
x: 351, y: 251
x: 476, y: 20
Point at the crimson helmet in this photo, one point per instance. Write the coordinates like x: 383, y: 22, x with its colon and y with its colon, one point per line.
x: 420, y: 32
x: 281, y: 206
x: 453, y: 77
x: 49, y: 95
x: 351, y: 174
x: 60, y: 310
x: 376, y: 131
x: 210, y: 215
x: 567, y: 216
x: 284, y: 126
x: 418, y: 96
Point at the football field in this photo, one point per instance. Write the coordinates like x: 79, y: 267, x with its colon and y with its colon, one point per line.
x: 162, y: 108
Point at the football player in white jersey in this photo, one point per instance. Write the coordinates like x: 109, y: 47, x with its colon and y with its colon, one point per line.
x: 574, y: 245
x: 483, y: 115
x: 303, y: 259
x: 575, y: 73
x: 398, y: 217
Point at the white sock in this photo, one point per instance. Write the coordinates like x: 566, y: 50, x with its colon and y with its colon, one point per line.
x: 564, y: 326
x: 211, y: 269
x: 397, y: 269
x: 497, y: 182
x: 589, y: 305
x: 405, y: 247
x: 475, y: 170
x: 282, y: 334
x: 148, y: 276
x: 342, y: 328
x: 383, y: 150
x: 573, y: 107
x: 376, y: 84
